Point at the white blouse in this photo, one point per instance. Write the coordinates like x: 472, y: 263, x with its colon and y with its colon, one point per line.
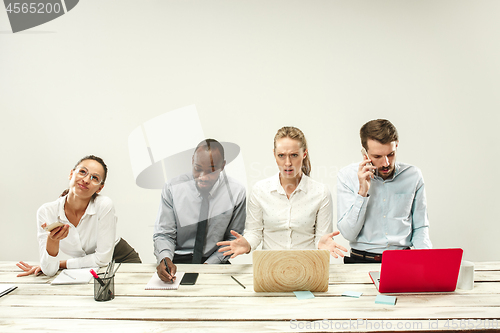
x: 90, y: 244
x: 282, y: 223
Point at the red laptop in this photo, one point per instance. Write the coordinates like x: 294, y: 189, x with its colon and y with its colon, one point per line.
x: 407, y: 271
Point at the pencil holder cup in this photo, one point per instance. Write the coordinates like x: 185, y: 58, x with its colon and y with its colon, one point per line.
x: 104, y: 288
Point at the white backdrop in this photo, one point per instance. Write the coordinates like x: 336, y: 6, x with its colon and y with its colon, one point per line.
x: 82, y: 83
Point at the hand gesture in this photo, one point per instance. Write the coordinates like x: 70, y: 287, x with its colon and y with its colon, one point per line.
x: 327, y: 243
x: 162, y: 271
x: 235, y: 247
x: 365, y: 175
x: 28, y: 269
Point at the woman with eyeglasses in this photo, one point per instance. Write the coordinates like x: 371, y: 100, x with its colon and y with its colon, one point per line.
x: 88, y: 233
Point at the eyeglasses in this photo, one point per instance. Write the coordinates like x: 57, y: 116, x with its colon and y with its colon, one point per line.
x: 95, y: 179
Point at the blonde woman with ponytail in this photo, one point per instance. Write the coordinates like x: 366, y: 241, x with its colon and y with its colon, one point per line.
x: 288, y: 210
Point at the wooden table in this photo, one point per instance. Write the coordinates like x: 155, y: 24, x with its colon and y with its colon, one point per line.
x: 217, y: 303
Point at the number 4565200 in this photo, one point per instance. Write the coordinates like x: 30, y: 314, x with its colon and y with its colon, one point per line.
x: 33, y: 8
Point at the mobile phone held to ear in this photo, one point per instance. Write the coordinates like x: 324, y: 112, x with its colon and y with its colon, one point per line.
x: 54, y: 225
x: 189, y: 278
x: 365, y: 153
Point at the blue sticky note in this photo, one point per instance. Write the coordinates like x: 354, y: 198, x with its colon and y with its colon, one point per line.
x: 352, y: 294
x: 303, y: 294
x: 382, y: 299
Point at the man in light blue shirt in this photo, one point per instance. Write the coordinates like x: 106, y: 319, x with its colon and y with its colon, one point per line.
x: 381, y: 203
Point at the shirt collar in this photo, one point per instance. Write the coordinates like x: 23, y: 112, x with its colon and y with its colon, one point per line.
x: 276, y: 185
x: 91, y: 210
x: 397, y: 171
x: 213, y: 189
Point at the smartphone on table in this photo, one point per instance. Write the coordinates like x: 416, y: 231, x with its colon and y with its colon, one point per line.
x: 189, y: 278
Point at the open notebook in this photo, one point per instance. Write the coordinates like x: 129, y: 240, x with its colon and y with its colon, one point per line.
x: 74, y: 276
x: 156, y: 284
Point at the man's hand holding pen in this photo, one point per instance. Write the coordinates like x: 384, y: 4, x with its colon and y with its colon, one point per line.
x: 166, y: 270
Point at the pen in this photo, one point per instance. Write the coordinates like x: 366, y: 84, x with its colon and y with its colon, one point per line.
x: 166, y: 266
x: 117, y: 268
x: 94, y: 274
x: 238, y: 282
x: 109, y: 269
x: 71, y: 276
x: 112, y: 267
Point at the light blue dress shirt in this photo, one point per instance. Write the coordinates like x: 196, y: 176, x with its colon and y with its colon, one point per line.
x: 393, y: 216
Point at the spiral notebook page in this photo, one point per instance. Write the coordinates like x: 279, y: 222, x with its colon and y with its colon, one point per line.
x: 156, y: 284
x: 74, y: 276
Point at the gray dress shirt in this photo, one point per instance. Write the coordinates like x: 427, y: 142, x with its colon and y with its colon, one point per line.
x: 178, y: 216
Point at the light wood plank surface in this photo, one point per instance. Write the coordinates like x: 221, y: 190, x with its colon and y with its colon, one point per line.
x: 218, y: 303
x: 125, y: 326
